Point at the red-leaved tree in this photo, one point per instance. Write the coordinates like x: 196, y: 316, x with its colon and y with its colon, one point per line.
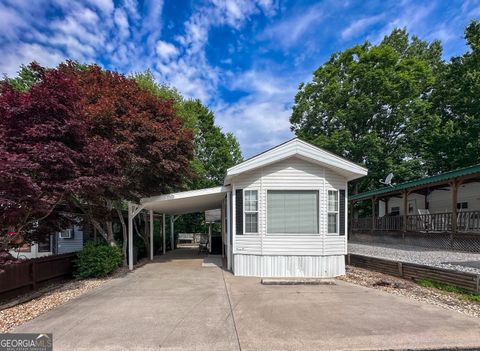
x: 152, y: 145
x: 46, y: 154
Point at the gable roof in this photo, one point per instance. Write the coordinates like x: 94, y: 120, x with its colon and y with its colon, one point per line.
x: 301, y: 149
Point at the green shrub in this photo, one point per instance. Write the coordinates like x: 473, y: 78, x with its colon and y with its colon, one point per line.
x: 97, y: 260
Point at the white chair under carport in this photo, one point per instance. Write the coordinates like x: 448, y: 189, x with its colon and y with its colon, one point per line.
x: 175, y: 205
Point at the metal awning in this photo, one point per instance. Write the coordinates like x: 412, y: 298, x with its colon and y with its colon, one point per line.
x: 186, y: 201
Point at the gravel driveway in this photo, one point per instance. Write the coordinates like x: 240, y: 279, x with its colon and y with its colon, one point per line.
x: 460, y: 261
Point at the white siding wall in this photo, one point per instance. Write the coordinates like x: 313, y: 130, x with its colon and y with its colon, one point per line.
x: 289, y: 266
x: 290, y: 174
x: 441, y: 200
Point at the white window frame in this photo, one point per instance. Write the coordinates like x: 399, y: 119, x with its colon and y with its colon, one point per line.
x: 65, y: 231
x: 319, y: 199
x: 250, y: 212
x: 337, y: 212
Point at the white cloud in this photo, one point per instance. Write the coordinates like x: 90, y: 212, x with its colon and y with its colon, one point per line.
x: 23, y: 54
x: 358, y: 27
x: 10, y: 22
x: 106, y: 6
x: 260, y: 119
x: 121, y: 20
x: 410, y: 15
x: 257, y: 123
x: 166, y: 51
x: 288, y: 32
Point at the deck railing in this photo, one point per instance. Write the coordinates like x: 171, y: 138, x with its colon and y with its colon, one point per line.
x: 466, y: 222
x: 364, y: 223
x: 389, y: 223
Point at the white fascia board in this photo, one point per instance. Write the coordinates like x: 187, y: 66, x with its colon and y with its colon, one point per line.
x: 297, y: 147
x: 186, y: 194
x: 329, y: 159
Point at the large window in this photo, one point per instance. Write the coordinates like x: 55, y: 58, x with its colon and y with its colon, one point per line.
x: 332, y: 212
x: 292, y: 211
x: 251, y: 211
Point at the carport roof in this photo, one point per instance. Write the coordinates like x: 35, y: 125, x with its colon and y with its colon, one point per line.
x: 187, y: 201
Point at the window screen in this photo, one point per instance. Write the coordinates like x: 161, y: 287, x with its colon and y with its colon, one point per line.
x: 292, y: 211
x: 332, y: 211
x: 251, y: 211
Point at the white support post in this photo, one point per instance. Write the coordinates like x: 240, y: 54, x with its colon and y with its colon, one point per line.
x: 229, y: 231
x: 163, y: 234
x: 130, y: 236
x: 151, y: 235
x: 172, y: 231
x: 133, y: 210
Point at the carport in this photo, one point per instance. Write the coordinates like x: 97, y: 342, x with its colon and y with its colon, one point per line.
x: 176, y: 204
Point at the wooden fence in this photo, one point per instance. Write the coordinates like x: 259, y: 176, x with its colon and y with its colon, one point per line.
x: 467, y: 281
x: 20, y: 278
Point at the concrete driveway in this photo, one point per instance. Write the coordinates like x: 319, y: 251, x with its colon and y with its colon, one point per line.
x: 177, y: 304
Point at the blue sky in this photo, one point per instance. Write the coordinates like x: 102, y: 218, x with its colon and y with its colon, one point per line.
x: 244, y: 59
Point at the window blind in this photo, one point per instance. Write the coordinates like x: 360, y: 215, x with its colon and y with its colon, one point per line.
x: 292, y: 211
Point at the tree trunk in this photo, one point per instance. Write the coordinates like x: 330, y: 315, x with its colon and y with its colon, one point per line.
x: 109, y: 225
x: 110, y: 236
x: 94, y: 222
x: 125, y: 236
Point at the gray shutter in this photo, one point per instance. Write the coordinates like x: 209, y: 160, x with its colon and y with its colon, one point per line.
x: 239, y: 211
x: 342, y: 212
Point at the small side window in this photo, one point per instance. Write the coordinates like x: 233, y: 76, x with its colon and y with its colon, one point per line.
x: 332, y: 208
x: 251, y: 211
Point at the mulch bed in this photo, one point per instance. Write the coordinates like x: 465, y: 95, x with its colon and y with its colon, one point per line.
x: 407, y: 288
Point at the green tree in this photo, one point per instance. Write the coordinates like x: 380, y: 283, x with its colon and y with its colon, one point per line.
x: 453, y: 138
x: 215, y: 151
x: 362, y: 103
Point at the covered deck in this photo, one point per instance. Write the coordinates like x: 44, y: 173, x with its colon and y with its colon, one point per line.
x: 176, y: 204
x: 445, y: 203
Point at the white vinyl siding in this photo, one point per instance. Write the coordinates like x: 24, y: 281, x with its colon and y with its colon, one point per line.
x: 290, y: 174
x: 289, y: 266
x: 332, y: 207
x: 292, y: 211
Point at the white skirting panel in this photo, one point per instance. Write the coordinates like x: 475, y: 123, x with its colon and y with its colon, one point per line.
x: 289, y: 266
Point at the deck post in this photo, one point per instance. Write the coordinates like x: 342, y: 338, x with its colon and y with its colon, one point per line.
x: 163, y: 234
x: 405, y: 210
x: 454, y: 186
x: 373, y: 214
x: 130, y: 236
x: 151, y: 235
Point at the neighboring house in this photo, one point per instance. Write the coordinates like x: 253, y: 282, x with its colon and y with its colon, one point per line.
x: 447, y: 202
x: 68, y: 240
x: 284, y: 211
x: 436, y: 201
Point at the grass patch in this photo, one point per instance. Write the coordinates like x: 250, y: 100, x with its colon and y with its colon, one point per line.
x: 464, y: 294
